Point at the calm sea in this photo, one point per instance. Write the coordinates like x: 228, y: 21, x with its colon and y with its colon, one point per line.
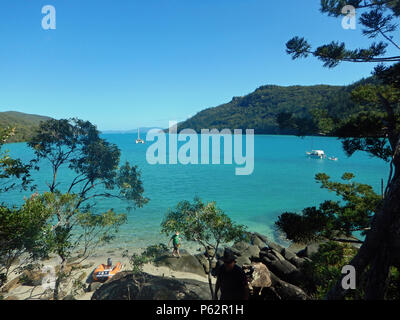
x: 283, y: 180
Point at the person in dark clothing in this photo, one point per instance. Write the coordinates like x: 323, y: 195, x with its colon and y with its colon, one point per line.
x: 231, y: 280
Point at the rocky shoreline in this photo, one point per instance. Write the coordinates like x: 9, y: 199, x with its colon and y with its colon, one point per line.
x: 274, y: 273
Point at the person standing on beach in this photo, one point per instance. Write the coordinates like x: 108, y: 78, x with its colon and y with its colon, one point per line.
x: 176, y: 241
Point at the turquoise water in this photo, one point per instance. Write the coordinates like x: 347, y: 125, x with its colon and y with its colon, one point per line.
x: 283, y: 180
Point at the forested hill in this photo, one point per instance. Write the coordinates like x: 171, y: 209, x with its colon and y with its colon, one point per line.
x: 259, y: 109
x: 25, y: 124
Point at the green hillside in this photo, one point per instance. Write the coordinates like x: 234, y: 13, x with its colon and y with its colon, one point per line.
x: 259, y: 109
x: 25, y: 124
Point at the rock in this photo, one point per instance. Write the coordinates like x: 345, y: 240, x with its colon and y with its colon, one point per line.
x: 69, y: 297
x: 29, y: 278
x: 10, y: 285
x: 296, y: 247
x: 271, y: 254
x: 284, y: 270
x: 186, y: 263
x: 261, y: 237
x: 235, y: 251
x: 93, y: 286
x: 289, y: 255
x: 258, y: 275
x: 32, y: 278
x: 127, y: 286
x: 286, y: 291
x: 241, y: 246
x: 203, y: 261
x: 252, y: 252
x: 241, y: 261
x: 278, y: 255
x: 264, y: 253
x: 14, y: 298
x: 220, y: 253
x: 275, y: 246
x: 309, y: 250
x: 256, y: 241
x: 297, y: 262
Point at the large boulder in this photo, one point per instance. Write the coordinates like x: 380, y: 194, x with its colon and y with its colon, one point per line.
x: 260, y: 236
x: 297, y: 262
x: 186, y: 263
x: 309, y: 250
x: 257, y: 241
x: 93, y: 286
x: 203, y: 260
x: 258, y: 277
x: 284, y: 270
x: 30, y: 278
x: 271, y: 255
x: 9, y: 286
x: 241, y: 246
x: 242, y: 260
x: 272, y: 245
x: 252, y: 252
x: 286, y: 291
x: 127, y: 286
x: 235, y: 252
x: 288, y: 254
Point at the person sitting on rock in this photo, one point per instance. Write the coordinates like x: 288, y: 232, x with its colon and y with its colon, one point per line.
x: 231, y: 280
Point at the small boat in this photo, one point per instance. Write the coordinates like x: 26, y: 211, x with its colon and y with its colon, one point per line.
x: 106, y: 271
x: 333, y: 158
x: 138, y: 140
x: 316, y: 154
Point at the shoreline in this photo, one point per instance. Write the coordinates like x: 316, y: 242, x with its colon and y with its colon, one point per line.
x: 24, y: 292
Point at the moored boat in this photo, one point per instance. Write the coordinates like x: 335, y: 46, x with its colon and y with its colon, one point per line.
x: 106, y: 271
x: 316, y: 154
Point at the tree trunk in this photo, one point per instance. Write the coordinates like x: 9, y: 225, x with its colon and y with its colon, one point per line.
x: 380, y: 248
x: 60, y: 275
x: 209, y: 279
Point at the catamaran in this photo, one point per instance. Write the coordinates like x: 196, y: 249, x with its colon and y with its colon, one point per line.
x: 138, y: 140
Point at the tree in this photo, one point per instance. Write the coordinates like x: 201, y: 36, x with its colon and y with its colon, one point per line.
x: 377, y: 21
x: 23, y: 236
x: 333, y: 220
x: 11, y: 170
x: 321, y: 272
x: 375, y: 130
x: 21, y: 229
x: 76, y: 144
x: 74, y: 234
x: 205, y: 224
x: 76, y: 230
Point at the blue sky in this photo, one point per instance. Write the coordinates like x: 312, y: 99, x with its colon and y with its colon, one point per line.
x: 128, y: 63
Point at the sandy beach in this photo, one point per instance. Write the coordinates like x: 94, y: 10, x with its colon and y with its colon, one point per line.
x: 24, y: 292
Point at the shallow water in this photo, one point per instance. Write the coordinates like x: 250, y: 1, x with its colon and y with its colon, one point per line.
x: 283, y: 180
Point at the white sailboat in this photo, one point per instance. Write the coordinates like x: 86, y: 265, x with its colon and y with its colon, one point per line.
x: 316, y: 154
x: 138, y: 140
